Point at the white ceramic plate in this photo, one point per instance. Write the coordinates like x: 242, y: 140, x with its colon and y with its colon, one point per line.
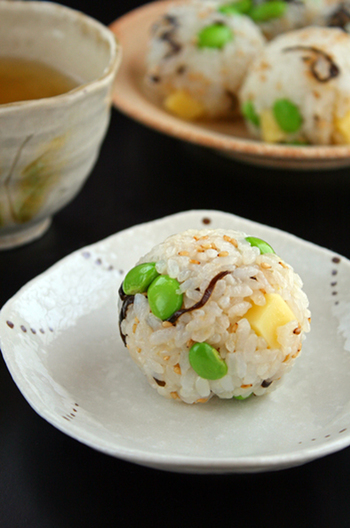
x: 229, y: 138
x: 60, y: 340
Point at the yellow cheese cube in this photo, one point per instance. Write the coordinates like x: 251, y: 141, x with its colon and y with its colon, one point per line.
x: 342, y: 125
x: 265, y: 320
x: 182, y: 104
x: 270, y: 130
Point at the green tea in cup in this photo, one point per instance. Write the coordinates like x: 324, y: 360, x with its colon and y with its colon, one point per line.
x: 24, y: 79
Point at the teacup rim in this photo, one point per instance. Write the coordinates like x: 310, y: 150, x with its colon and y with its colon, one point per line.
x: 81, y: 89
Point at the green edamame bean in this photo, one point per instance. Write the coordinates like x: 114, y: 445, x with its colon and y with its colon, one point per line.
x: 163, y: 296
x: 139, y: 278
x: 263, y: 246
x: 234, y: 8
x: 206, y: 361
x: 249, y: 112
x: 287, y: 115
x: 243, y: 397
x: 267, y: 10
x: 214, y: 36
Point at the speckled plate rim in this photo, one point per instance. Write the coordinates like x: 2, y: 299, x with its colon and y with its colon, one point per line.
x: 129, y: 98
x: 177, y: 463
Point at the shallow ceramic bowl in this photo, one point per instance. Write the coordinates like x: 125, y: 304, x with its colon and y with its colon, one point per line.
x: 49, y: 146
x: 59, y: 337
x: 230, y: 138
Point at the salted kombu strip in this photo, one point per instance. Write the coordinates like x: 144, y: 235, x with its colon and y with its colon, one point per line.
x: 333, y: 69
x: 206, y: 295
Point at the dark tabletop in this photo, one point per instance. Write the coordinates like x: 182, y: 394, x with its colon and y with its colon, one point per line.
x: 49, y: 480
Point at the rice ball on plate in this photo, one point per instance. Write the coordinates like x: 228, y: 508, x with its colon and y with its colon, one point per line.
x: 213, y: 312
x: 297, y: 90
x: 197, y: 59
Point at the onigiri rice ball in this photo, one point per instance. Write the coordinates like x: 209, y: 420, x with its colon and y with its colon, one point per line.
x: 272, y: 16
x: 331, y: 13
x: 279, y: 16
x: 298, y: 89
x: 197, y: 59
x: 213, y: 312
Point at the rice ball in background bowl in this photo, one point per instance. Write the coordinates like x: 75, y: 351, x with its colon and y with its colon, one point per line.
x: 197, y: 59
x: 272, y: 16
x: 213, y: 312
x: 338, y: 15
x: 279, y: 16
x: 297, y: 89
x: 331, y: 13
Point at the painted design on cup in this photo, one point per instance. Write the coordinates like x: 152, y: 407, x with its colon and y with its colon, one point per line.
x: 37, y: 178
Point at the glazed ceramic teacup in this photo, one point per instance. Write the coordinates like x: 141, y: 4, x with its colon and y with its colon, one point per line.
x: 48, y: 146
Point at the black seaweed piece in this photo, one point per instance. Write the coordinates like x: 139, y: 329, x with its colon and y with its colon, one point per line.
x: 206, y: 295
x: 161, y: 383
x: 127, y: 300
x: 181, y: 69
x: 233, y: 99
x: 154, y: 78
x: 166, y: 20
x: 122, y: 293
x: 172, y: 20
x: 339, y: 18
x: 168, y: 36
x: 333, y: 69
x: 174, y: 46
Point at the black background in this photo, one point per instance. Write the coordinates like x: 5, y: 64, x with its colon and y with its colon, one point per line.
x: 47, y: 479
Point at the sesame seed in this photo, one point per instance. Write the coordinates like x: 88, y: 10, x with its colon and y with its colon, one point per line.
x: 232, y: 241
x: 177, y: 368
x: 233, y: 328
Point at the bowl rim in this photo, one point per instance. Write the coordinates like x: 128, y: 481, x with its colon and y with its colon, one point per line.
x: 106, y: 78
